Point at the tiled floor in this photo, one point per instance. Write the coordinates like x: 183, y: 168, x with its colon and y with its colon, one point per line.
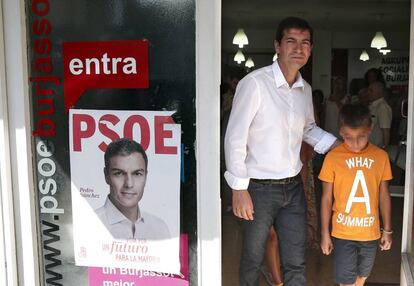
x: 319, y: 267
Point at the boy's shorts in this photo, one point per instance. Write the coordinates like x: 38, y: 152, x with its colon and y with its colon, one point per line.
x: 353, y: 258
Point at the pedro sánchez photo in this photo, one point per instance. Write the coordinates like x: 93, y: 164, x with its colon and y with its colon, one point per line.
x: 126, y: 171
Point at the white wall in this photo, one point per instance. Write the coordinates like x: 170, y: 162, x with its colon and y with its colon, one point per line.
x: 362, y: 40
x: 357, y: 68
x: 262, y: 40
x: 260, y: 48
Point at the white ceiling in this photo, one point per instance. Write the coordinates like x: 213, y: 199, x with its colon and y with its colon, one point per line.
x: 334, y: 15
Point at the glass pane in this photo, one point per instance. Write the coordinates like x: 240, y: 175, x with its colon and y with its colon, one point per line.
x: 169, y: 29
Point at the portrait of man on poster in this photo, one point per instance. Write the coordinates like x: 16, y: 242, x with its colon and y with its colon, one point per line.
x: 126, y: 170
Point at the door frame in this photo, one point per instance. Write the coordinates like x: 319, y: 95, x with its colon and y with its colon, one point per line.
x: 407, y: 275
x: 208, y: 71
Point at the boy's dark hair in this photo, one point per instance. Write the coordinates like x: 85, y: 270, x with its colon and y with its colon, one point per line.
x: 123, y: 147
x: 295, y: 23
x: 354, y: 116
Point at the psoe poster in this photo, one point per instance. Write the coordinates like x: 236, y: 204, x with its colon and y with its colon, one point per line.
x: 125, y: 185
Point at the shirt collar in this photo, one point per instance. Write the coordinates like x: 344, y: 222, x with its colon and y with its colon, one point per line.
x: 280, y: 78
x: 114, y: 215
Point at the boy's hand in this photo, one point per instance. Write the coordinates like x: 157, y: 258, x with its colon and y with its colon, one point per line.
x: 385, y: 241
x: 326, y: 244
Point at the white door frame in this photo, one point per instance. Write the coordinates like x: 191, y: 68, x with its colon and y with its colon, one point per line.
x: 407, y: 277
x: 208, y: 58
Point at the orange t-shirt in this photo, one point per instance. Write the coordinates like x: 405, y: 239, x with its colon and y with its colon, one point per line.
x: 356, y: 178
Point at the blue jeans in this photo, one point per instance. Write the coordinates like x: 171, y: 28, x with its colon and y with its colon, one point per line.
x: 283, y: 206
x: 353, y: 258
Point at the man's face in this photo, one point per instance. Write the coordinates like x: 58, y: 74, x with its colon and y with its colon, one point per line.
x: 374, y: 91
x: 372, y: 77
x: 356, y: 139
x: 339, y: 86
x: 126, y: 177
x: 294, y: 48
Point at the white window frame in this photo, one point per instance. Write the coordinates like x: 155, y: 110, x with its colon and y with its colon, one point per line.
x: 8, y: 269
x: 19, y: 234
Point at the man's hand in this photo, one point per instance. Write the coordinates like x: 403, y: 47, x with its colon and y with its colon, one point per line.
x: 326, y: 244
x: 385, y: 241
x: 242, y: 204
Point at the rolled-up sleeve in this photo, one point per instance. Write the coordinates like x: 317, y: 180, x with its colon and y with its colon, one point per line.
x: 245, y: 106
x: 319, y: 139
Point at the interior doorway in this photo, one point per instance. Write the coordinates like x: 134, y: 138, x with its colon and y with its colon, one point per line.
x: 343, y: 30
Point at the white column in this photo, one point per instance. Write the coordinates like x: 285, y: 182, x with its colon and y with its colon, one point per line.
x: 8, y: 256
x: 208, y: 45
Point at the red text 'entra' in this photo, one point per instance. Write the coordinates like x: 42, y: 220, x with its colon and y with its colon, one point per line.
x: 112, y: 64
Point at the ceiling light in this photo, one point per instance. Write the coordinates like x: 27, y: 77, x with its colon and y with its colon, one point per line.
x: 240, y: 38
x: 384, y: 52
x: 275, y: 57
x: 249, y: 63
x: 379, y: 41
x: 364, y: 56
x: 239, y: 57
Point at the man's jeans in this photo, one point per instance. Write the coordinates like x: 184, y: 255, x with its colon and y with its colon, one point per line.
x: 283, y: 206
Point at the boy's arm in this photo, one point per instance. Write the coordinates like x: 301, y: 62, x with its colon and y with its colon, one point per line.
x: 385, y: 209
x: 326, y: 213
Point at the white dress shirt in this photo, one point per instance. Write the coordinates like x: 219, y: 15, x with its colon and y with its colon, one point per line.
x: 147, y: 226
x: 381, y: 114
x: 267, y: 124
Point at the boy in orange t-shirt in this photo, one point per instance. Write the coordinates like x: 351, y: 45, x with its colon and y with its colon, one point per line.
x: 355, y: 179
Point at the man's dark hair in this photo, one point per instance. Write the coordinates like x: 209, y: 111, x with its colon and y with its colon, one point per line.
x: 293, y: 23
x: 317, y: 96
x: 354, y: 116
x: 123, y: 147
x: 378, y: 75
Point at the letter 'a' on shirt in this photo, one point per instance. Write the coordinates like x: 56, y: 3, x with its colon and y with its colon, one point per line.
x: 268, y: 122
x: 356, y: 178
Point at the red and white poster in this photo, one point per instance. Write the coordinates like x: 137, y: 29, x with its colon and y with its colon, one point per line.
x: 130, y: 276
x: 125, y: 184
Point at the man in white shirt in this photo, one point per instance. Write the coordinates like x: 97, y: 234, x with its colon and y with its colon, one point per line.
x: 272, y: 113
x: 126, y: 174
x: 381, y: 114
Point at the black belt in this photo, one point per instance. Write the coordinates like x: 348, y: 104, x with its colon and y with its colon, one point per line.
x: 283, y: 181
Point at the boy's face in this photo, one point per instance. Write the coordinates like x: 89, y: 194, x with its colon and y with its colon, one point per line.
x: 356, y: 139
